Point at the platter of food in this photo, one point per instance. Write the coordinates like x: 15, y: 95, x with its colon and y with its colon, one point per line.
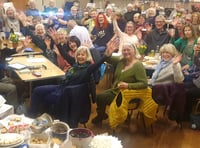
x: 10, y: 140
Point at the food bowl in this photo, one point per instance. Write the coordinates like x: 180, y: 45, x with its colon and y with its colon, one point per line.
x: 39, y: 141
x: 41, y: 123
x: 81, y: 137
x: 59, y: 131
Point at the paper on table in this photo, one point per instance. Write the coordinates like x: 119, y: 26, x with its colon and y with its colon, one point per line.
x: 17, y: 66
x: 36, y: 60
x: 2, y: 100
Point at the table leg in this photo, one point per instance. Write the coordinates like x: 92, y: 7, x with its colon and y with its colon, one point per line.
x: 30, y: 89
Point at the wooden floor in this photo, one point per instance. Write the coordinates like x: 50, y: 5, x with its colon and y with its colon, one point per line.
x: 165, y: 134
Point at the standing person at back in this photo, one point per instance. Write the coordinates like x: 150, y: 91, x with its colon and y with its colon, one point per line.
x: 185, y: 46
x: 51, y: 9
x: 75, y: 15
x: 129, y: 14
x: 81, y: 32
x: 90, y: 22
x: 127, y: 36
x: 10, y: 19
x: 32, y: 10
x: 102, y: 32
x: 158, y: 36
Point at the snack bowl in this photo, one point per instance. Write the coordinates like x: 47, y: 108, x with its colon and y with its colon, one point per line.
x: 37, y: 129
x: 59, y: 131
x: 41, y: 123
x: 39, y: 141
x: 81, y: 137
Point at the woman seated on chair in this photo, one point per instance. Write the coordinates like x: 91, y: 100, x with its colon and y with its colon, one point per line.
x: 193, y: 86
x: 166, y: 81
x: 169, y: 68
x: 79, y: 73
x: 129, y: 75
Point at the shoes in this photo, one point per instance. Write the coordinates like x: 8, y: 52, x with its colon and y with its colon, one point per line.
x: 99, y: 118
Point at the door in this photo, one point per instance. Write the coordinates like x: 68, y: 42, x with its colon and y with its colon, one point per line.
x: 20, y: 4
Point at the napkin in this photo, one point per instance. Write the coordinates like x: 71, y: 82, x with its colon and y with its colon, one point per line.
x: 2, y: 100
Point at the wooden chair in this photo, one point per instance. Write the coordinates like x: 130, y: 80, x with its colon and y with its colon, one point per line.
x: 75, y: 105
x: 134, y: 105
x: 173, y: 97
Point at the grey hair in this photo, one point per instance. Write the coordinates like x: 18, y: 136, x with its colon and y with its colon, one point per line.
x: 133, y: 46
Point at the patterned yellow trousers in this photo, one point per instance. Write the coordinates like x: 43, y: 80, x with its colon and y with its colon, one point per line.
x: 118, y: 113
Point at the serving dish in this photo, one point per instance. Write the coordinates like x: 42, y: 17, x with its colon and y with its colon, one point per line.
x: 11, y: 140
x: 39, y: 141
x: 59, y: 131
x: 81, y: 137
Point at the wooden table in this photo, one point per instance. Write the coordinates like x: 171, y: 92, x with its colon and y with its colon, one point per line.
x: 7, y: 43
x: 150, y: 62
x: 36, y: 50
x: 51, y: 71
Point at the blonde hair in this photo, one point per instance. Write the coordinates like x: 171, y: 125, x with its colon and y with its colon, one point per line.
x: 85, y: 49
x: 63, y: 31
x: 169, y: 48
x: 39, y: 25
x: 151, y: 11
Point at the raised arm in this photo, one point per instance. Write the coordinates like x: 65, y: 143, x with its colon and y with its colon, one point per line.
x: 117, y: 30
x: 112, y: 45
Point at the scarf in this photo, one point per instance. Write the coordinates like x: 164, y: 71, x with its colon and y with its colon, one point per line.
x: 73, y: 69
x: 159, y: 67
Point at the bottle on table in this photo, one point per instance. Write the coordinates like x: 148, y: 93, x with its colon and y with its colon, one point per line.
x: 152, y: 53
x: 157, y: 52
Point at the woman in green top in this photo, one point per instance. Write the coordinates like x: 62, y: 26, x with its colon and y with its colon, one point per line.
x: 185, y: 46
x: 129, y: 74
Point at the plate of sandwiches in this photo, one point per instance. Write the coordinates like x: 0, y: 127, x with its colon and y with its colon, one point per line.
x: 9, y: 140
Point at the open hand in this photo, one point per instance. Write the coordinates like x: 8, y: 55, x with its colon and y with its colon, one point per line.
x: 177, y: 59
x: 53, y: 34
x: 112, y: 45
x: 47, y: 41
x: 123, y: 85
x: 27, y: 41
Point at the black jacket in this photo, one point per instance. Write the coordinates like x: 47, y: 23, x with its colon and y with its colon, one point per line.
x: 6, y: 52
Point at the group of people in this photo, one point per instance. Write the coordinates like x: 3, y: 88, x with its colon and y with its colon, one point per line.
x: 79, y: 44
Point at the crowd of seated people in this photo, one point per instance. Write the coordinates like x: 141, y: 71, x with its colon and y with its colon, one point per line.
x: 59, y: 34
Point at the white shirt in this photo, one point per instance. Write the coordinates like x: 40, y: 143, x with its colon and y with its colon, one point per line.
x: 82, y: 33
